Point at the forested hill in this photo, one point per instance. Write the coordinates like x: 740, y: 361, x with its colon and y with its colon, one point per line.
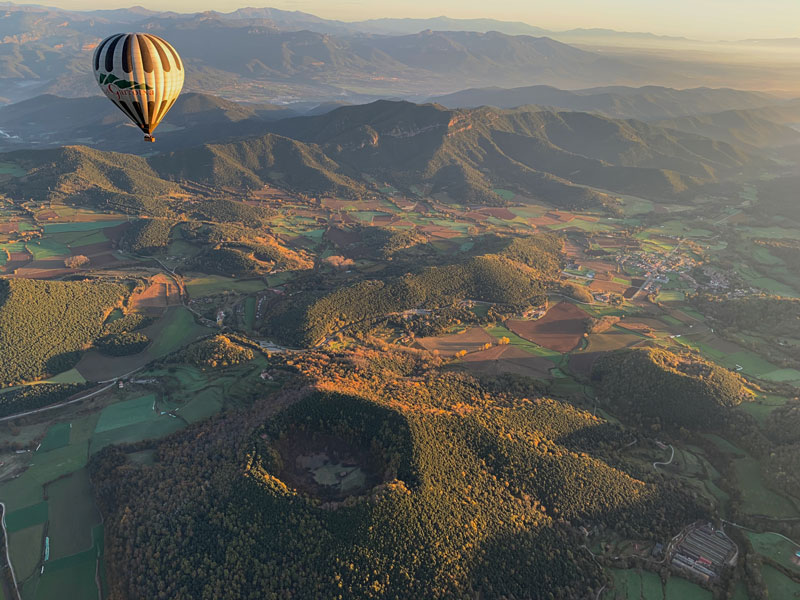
x: 538, y: 152
x: 517, y: 274
x: 255, y: 161
x: 463, y: 155
x: 658, y: 388
x: 446, y: 507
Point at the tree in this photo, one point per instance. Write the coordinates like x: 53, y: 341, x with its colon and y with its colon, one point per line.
x: 76, y: 262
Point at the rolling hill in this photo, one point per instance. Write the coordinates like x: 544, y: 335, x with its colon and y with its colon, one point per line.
x: 466, y: 153
x: 460, y: 155
x: 645, y: 103
x: 759, y: 128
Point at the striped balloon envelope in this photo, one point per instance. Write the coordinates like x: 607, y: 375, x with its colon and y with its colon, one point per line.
x: 140, y: 73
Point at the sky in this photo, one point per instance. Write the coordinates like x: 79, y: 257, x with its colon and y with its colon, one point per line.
x: 701, y: 19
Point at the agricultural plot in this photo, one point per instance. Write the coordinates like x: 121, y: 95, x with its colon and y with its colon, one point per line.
x: 160, y: 293
x: 560, y: 329
x: 80, y: 226
x: 25, y: 547
x: 613, y: 339
x: 57, y: 437
x: 681, y: 589
x: 177, y: 328
x: 202, y: 406
x: 508, y: 359
x: 128, y: 412
x: 448, y: 345
x: 70, y: 577
x: 29, y: 516
x: 72, y: 515
x: 45, y: 248
x: 145, y: 430
x: 778, y: 584
x: 250, y: 312
x: 758, y: 499
x: 775, y: 547
x: 208, y: 285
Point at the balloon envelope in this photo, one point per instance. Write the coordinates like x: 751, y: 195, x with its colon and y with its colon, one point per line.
x: 140, y: 73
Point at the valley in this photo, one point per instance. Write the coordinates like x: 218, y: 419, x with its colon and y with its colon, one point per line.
x: 628, y: 275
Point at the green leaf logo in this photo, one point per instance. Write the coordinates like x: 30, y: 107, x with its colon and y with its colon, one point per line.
x: 123, y: 84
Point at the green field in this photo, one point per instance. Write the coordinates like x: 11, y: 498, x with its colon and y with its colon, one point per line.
x: 506, y: 195
x: 208, y: 285
x: 778, y: 584
x: 681, y: 589
x: 756, y: 498
x: 80, y: 226
x: 13, y: 169
x: 500, y: 331
x: 48, y: 466
x: 145, y: 430
x: 178, y: 328
x: 250, y: 312
x: 72, y: 515
x: 775, y: 547
x: 25, y: 547
x: 44, y: 249
x: 71, y: 376
x: 126, y: 413
x: 26, y: 517
x: 634, y: 584
x: 70, y: 577
x: 203, y: 405
x: 57, y: 437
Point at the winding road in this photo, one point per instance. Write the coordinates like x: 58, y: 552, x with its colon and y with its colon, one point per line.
x: 655, y: 464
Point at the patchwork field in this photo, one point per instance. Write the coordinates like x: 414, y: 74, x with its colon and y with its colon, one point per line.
x: 469, y: 340
x: 560, y: 329
x: 508, y: 359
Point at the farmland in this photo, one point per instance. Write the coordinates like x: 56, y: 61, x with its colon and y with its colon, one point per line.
x: 643, y: 264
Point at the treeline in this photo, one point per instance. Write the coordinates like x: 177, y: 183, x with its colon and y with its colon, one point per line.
x: 491, y: 278
x: 44, y: 325
x: 217, y: 351
x: 147, y: 236
x: 222, y: 210
x: 656, y: 388
x: 459, y: 513
x: 31, y: 397
x: 122, y: 344
x: 762, y: 314
x: 232, y: 249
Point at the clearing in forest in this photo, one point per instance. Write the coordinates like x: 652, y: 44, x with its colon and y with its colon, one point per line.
x: 560, y: 329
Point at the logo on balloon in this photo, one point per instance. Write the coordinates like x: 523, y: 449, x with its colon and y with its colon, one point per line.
x: 113, y: 86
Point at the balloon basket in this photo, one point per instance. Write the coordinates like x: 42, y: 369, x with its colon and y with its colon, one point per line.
x: 149, y: 138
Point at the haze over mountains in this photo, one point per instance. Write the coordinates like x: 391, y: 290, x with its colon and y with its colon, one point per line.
x: 564, y: 158
x: 265, y: 53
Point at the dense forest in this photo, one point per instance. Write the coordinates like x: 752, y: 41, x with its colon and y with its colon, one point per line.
x: 147, y: 236
x: 44, y: 325
x: 448, y: 508
x: 217, y: 351
x: 31, y: 397
x: 518, y: 274
x: 660, y: 389
x: 763, y: 314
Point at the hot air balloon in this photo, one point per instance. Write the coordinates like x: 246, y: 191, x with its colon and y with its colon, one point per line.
x: 140, y: 73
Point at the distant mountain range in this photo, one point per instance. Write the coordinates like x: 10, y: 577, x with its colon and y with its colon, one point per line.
x: 645, y: 103
x: 564, y: 158
x: 283, y: 56
x: 195, y: 119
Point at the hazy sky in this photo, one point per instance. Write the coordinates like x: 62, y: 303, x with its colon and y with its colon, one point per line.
x: 709, y: 19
